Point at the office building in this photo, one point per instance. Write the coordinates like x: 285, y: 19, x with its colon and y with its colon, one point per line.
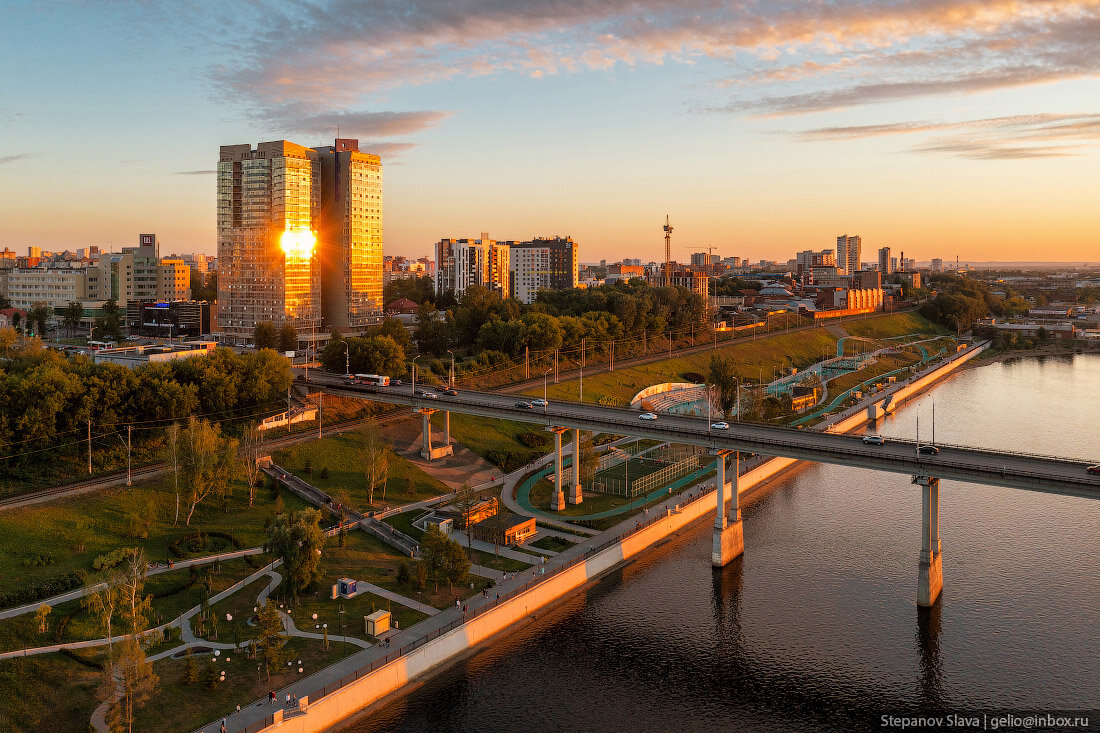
x: 806, y: 261
x: 848, y: 253
x: 541, y: 264
x: 293, y: 223
x: 173, y: 281
x: 461, y: 263
x: 181, y: 318
x: 885, y: 262
x: 144, y: 259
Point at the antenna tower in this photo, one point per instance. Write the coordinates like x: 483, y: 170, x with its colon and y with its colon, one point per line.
x: 668, y: 252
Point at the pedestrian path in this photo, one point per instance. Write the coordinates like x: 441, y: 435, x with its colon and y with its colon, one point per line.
x: 523, y: 557
x: 397, y: 598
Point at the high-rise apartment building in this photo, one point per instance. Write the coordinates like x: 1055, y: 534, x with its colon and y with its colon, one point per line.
x: 461, y: 263
x: 173, y: 281
x: 847, y: 253
x: 541, y: 264
x: 704, y: 259
x: 299, y: 238
x: 807, y: 260
x: 937, y: 264
x: 885, y: 262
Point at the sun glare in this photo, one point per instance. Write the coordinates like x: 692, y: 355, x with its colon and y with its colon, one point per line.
x: 298, y: 243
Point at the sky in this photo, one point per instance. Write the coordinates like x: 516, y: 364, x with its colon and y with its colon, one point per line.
x: 940, y: 128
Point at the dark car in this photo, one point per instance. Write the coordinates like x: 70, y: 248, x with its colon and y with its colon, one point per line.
x: 1094, y: 469
x: 451, y: 392
x: 928, y: 450
x: 525, y: 405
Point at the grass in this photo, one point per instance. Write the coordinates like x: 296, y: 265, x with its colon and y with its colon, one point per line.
x: 182, y: 708
x: 754, y: 358
x: 893, y: 324
x: 552, y: 543
x: 404, y: 522
x: 503, y: 564
x: 51, y: 530
x: 47, y: 692
x: 339, y: 454
x: 882, y: 365
x: 498, y: 441
x: 363, y: 604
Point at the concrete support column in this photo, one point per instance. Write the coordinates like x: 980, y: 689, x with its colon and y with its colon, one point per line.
x: 427, y: 448
x: 574, y: 494
x: 557, y: 498
x: 930, y: 567
x: 446, y: 427
x: 729, y: 537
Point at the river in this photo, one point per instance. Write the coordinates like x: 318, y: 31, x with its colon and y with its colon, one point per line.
x: 816, y: 627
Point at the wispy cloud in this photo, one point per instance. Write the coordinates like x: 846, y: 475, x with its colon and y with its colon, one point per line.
x: 302, y: 119
x: 4, y: 159
x: 195, y: 173
x: 994, y: 138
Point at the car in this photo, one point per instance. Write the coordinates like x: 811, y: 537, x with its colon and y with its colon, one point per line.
x: 647, y: 416
x: 928, y: 450
x: 1094, y: 469
x: 348, y: 376
x: 525, y: 405
x: 874, y: 440
x: 720, y: 426
x: 395, y: 381
x: 539, y: 403
x: 427, y: 394
x: 451, y: 392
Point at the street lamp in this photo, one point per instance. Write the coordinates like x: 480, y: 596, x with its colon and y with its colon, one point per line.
x: 548, y: 370
x: 414, y: 373
x: 452, y: 382
x: 347, y: 359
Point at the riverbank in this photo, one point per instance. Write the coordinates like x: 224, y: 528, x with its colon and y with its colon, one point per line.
x: 996, y: 356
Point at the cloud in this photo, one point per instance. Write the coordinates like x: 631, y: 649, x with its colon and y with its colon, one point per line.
x: 301, y: 119
x: 4, y: 159
x: 993, y: 138
x: 195, y: 173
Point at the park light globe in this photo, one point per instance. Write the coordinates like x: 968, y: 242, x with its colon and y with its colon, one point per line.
x: 298, y: 243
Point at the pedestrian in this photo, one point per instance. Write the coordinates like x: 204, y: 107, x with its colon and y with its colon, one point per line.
x: 238, y: 708
x: 288, y: 699
x: 223, y: 728
x: 498, y: 598
x: 464, y: 610
x: 457, y: 604
x: 294, y: 700
x: 270, y: 694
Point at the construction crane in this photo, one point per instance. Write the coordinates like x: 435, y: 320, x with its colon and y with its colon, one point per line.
x: 668, y: 253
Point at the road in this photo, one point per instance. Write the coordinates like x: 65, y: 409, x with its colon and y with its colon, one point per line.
x: 1047, y: 474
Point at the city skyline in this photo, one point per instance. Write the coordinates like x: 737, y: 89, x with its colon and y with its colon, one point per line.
x: 956, y: 128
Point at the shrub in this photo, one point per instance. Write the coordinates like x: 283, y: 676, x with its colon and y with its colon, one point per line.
x: 403, y: 576
x: 111, y: 559
x: 307, y: 467
x: 324, y: 473
x: 43, y: 589
x: 533, y: 440
x: 210, y: 542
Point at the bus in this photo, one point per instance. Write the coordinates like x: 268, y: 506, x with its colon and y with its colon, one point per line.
x: 97, y: 345
x: 377, y: 380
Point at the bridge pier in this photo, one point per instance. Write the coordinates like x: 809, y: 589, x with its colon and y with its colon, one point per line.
x: 574, y: 495
x: 930, y: 568
x: 446, y: 427
x: 729, y: 537
x: 426, y: 449
x: 557, y: 496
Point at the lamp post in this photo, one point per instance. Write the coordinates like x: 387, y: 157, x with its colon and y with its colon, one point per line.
x: 127, y: 444
x: 452, y: 382
x: 347, y: 359
x: 548, y: 370
x: 414, y: 374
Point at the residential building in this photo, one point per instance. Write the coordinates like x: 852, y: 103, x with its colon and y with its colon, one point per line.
x: 848, y: 250
x: 885, y: 262
x: 295, y: 222
x: 173, y: 281
x: 806, y: 261
x: 704, y: 259
x: 623, y: 272
x: 461, y: 263
x: 937, y: 265
x: 543, y: 263
x: 56, y: 287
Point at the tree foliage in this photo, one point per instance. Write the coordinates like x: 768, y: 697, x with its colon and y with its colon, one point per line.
x: 297, y: 540
x: 270, y: 641
x: 723, y: 375
x: 368, y: 355
x: 265, y: 335
x: 208, y: 463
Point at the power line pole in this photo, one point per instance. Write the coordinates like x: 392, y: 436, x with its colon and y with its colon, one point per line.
x: 668, y: 252
x: 129, y: 430
x: 89, y: 447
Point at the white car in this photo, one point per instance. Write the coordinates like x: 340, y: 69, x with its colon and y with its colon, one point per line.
x: 874, y: 440
x: 539, y: 403
x: 647, y: 416
x: 720, y: 426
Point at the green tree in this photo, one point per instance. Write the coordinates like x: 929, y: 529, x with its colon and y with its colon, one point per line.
x: 134, y: 603
x: 71, y: 316
x: 103, y: 605
x: 433, y: 553
x: 270, y: 639
x: 288, y: 337
x: 129, y: 684
x: 38, y: 317
x: 41, y: 617
x: 297, y: 540
x: 8, y: 337
x: 723, y: 375
x: 374, y: 456
x: 456, y: 564
x: 109, y: 325
x: 403, y: 575
x: 209, y: 463
x: 249, y: 452
x: 265, y: 335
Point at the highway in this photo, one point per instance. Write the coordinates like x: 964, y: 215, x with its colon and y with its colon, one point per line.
x: 1048, y: 474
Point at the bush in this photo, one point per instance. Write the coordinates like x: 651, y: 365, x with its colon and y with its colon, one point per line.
x: 307, y: 467
x: 403, y: 576
x: 324, y: 474
x: 111, y: 559
x: 44, y: 589
x: 196, y: 542
x: 533, y: 440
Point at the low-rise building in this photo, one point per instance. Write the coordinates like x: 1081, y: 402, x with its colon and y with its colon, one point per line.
x: 132, y: 357
x: 505, y: 528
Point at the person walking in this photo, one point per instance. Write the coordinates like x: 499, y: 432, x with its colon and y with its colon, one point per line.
x: 271, y: 696
x: 223, y: 728
x: 288, y: 699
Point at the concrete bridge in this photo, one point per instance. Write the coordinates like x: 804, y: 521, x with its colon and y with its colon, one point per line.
x: 1048, y: 474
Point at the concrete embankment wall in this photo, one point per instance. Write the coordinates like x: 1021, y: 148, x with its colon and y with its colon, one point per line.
x: 330, y: 710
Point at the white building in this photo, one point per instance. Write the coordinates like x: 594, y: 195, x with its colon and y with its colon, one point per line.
x: 461, y: 263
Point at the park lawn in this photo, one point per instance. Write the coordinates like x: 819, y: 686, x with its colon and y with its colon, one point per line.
x: 890, y: 325
x: 328, y: 611
x: 755, y: 359
x: 177, y: 707
x: 339, y: 455
x: 240, y: 605
x: 498, y: 441
x: 82, y: 625
x: 882, y: 365
x: 553, y: 543
x: 593, y: 503
x: 50, y: 530
x: 47, y: 692
x: 403, y: 522
x: 503, y: 564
